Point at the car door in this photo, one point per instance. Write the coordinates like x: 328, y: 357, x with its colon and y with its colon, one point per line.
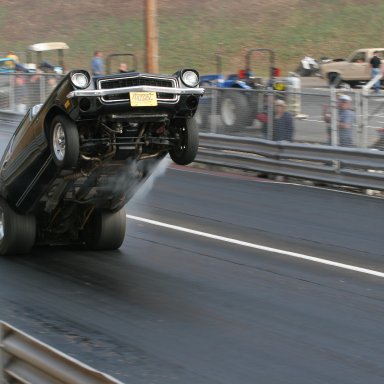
x: 359, y: 68
x: 22, y: 159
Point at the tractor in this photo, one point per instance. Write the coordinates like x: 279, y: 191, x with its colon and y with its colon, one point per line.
x: 233, y: 97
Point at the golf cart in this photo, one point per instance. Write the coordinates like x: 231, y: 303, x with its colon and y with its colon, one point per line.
x: 43, y: 55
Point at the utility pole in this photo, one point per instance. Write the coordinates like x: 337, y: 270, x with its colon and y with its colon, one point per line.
x: 151, y: 37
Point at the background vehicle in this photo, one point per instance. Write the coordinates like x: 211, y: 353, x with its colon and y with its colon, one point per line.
x: 9, y: 65
x: 74, y: 161
x: 353, y: 71
x: 49, y: 57
x: 238, y: 109
x: 114, y: 60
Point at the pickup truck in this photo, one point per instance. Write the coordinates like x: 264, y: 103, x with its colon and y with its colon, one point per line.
x: 354, y: 71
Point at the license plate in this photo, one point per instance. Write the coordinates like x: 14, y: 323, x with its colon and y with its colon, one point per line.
x: 143, y: 99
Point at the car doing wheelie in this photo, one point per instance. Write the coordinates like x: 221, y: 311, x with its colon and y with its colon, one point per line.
x: 74, y: 161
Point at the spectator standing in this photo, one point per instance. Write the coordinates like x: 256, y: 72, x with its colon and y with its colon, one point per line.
x: 346, y: 119
x: 375, y: 70
x: 97, y: 64
x: 283, y: 126
x: 12, y: 55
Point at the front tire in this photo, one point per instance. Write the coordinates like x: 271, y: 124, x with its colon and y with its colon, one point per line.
x: 64, y: 142
x: 105, y: 230
x: 17, y: 232
x: 187, y: 142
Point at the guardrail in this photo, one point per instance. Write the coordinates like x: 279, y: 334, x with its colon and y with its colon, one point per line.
x: 336, y: 165
x: 24, y: 359
x: 355, y: 167
x: 10, y: 116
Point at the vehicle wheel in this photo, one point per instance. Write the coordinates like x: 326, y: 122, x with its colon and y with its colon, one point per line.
x: 299, y: 70
x: 17, y: 232
x: 334, y: 80
x: 187, y: 135
x: 304, y: 72
x: 351, y: 84
x: 105, y: 230
x: 234, y: 111
x: 64, y: 142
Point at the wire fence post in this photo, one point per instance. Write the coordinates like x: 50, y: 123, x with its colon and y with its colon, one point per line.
x: 334, y: 113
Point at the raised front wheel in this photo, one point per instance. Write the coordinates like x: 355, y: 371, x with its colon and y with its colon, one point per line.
x: 64, y: 142
x: 187, y: 142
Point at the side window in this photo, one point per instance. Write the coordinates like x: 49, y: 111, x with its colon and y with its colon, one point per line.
x: 359, y: 57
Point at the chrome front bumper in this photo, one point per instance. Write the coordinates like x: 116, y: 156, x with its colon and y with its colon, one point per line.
x: 138, y: 88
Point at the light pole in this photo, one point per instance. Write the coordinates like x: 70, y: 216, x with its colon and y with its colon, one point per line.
x: 151, y: 37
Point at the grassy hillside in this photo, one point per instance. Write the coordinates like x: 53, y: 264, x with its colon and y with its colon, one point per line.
x: 191, y: 32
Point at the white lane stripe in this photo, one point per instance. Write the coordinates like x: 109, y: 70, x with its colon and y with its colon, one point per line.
x: 261, y: 247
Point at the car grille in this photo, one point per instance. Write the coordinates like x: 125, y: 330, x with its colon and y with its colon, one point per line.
x: 137, y: 81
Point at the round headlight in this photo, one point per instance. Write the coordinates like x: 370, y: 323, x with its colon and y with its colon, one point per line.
x: 190, y: 78
x: 80, y: 80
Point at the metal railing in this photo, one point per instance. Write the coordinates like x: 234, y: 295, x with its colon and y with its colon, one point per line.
x: 20, y: 91
x: 309, y: 156
x: 307, y: 106
x: 353, y: 167
x: 24, y: 359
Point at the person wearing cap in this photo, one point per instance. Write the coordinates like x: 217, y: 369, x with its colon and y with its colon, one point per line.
x: 283, y: 127
x: 346, y: 119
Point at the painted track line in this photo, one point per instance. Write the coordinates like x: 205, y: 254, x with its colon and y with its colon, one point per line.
x: 260, y: 247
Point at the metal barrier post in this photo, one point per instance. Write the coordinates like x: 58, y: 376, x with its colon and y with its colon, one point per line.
x: 270, y: 112
x: 42, y: 88
x: 334, y: 113
x: 212, y: 116
x: 2, y: 355
x: 294, y: 96
x: 12, y: 102
x: 362, y: 111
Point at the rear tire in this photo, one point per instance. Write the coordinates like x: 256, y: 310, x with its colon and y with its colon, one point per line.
x: 64, y: 142
x: 105, y: 230
x: 187, y: 142
x: 234, y: 111
x: 17, y: 232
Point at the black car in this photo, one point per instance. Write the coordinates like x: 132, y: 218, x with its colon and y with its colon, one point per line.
x: 74, y: 161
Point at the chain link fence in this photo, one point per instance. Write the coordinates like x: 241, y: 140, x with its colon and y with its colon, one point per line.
x: 239, y: 112
x: 250, y: 113
x: 20, y: 91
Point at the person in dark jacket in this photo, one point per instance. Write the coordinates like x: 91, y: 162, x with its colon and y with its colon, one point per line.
x: 283, y: 126
x: 375, y: 70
